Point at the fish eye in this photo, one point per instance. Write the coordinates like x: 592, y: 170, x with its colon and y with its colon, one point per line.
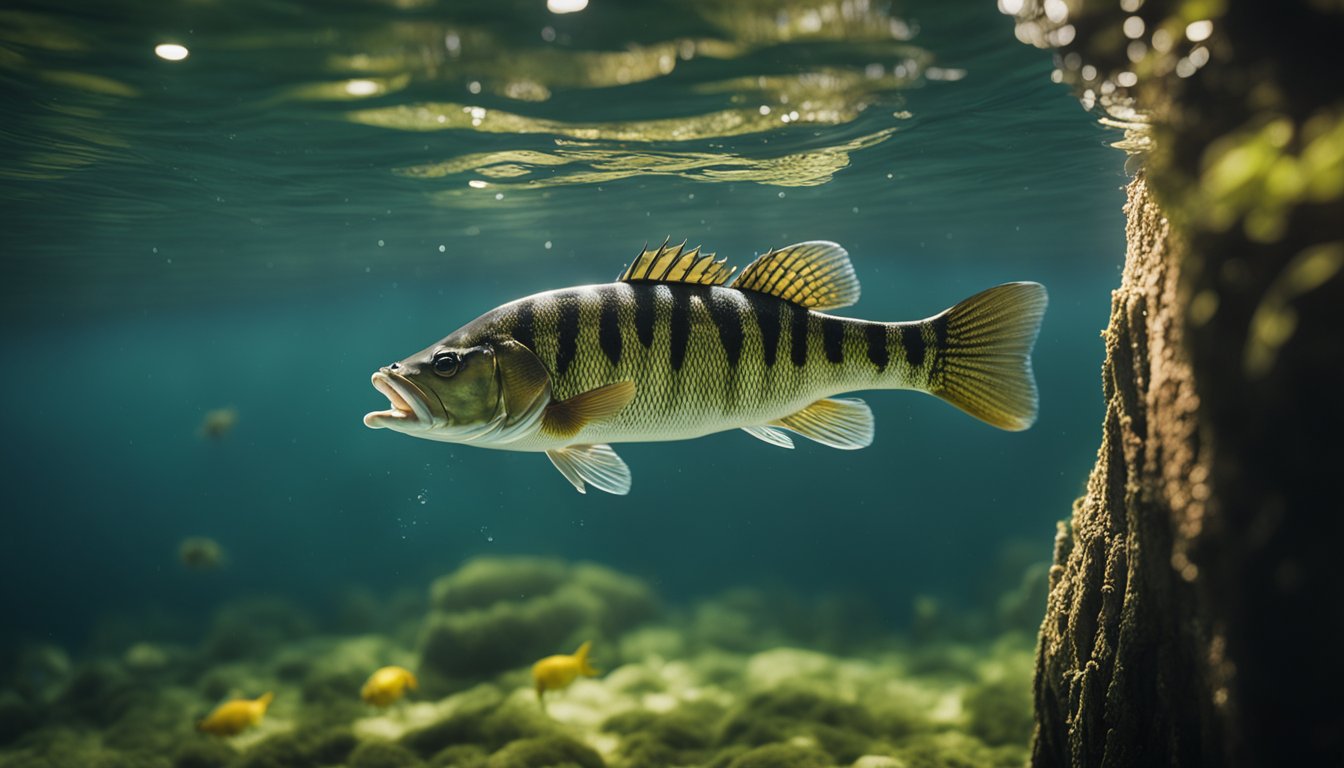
x: 446, y: 363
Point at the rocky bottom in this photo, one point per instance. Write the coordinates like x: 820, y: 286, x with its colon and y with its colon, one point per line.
x: 738, y: 681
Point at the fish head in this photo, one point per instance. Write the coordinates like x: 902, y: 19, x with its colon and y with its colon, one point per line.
x: 474, y: 386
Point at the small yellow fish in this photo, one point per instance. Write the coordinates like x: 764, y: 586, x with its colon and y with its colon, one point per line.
x: 200, y: 553
x: 556, y: 672
x: 387, y: 685
x: 217, y: 424
x: 235, y: 716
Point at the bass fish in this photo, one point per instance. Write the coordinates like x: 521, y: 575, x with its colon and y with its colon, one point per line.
x: 673, y: 351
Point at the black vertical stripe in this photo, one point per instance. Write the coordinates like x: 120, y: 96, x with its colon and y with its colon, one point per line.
x: 645, y: 314
x: 833, y: 338
x: 608, y: 324
x: 567, y: 333
x: 876, y: 336
x: 522, y: 325
x: 766, y: 310
x: 913, y: 341
x: 679, y: 333
x: 939, y: 324
x: 727, y: 315
x: 798, y: 334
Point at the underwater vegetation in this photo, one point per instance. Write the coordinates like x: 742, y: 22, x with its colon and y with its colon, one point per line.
x: 714, y: 683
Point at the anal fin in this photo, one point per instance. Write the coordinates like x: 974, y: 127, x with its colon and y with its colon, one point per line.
x: 770, y: 435
x: 595, y: 465
x: 846, y: 424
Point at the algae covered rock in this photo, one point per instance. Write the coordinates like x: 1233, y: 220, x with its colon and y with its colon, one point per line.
x: 683, y: 736
x: 843, y: 729
x: 203, y: 752
x: 546, y: 752
x: 951, y: 749
x: 254, y: 627
x: 496, y: 614
x: 484, y: 716
x: 382, y: 754
x: 460, y: 756
x: 781, y: 756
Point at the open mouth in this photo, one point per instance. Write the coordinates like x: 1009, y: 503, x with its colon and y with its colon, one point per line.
x: 407, y: 406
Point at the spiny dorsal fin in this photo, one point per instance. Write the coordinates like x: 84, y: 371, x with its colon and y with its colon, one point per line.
x: 674, y: 264
x: 566, y: 417
x: 816, y: 274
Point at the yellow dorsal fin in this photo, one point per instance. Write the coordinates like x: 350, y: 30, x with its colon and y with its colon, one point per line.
x: 264, y: 701
x: 816, y: 274
x: 565, y: 418
x: 675, y: 264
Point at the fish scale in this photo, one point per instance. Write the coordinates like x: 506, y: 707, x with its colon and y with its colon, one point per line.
x: 670, y: 352
x: 707, y: 393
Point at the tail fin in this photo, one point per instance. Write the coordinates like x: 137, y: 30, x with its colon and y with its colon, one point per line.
x: 265, y: 700
x: 581, y: 656
x: 986, y: 344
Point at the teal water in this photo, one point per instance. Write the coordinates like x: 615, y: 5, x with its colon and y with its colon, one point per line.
x: 264, y: 223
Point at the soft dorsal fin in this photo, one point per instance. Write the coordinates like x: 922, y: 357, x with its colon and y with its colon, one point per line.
x: 816, y: 274
x: 674, y: 264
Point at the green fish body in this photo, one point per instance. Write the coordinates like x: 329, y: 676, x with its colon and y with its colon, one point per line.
x: 671, y: 351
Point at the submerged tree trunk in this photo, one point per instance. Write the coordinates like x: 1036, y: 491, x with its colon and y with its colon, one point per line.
x: 1118, y: 681
x: 1196, y: 608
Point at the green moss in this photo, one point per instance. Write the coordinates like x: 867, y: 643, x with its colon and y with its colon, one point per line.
x: 460, y: 756
x: 844, y: 730
x: 1000, y: 711
x: 16, y: 716
x: 482, y: 716
x: 680, y: 737
x: 951, y: 749
x: 203, y: 752
x: 484, y: 581
x: 497, y: 614
x: 382, y: 754
x: 284, y: 750
x: 781, y: 756
x: 100, y: 693
x: 301, y: 748
x: 546, y: 752
x: 332, y: 745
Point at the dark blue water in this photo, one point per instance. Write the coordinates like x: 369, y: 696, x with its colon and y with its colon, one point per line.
x: 238, y: 229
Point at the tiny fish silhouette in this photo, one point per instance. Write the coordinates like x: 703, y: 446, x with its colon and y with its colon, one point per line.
x: 233, y: 717
x: 555, y: 672
x: 669, y: 352
x: 387, y: 685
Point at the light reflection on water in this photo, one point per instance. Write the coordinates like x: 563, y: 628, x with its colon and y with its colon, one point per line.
x: 289, y: 140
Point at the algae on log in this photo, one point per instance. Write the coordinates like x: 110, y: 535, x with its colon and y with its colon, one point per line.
x: 1117, y: 681
x: 1196, y: 602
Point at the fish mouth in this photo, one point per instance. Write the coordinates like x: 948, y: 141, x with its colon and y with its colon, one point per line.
x: 408, y: 403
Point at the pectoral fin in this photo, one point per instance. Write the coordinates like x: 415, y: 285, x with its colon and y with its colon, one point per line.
x: 595, y: 465
x: 770, y: 435
x: 565, y: 418
x: 844, y: 424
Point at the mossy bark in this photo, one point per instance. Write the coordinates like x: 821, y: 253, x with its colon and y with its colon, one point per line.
x: 1196, y: 603
x: 1117, y: 680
